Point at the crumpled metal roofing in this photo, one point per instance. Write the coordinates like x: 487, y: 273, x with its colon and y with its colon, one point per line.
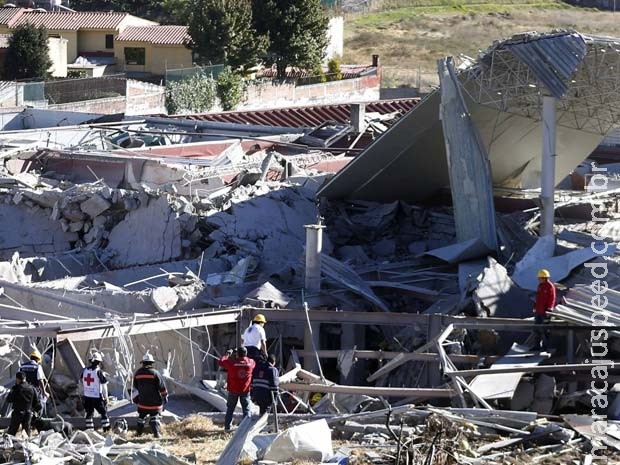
x: 552, y: 58
x: 309, y: 116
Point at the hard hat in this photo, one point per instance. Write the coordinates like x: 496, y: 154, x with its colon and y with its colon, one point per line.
x: 543, y: 274
x: 148, y: 358
x: 35, y: 355
x: 96, y: 357
x: 259, y: 318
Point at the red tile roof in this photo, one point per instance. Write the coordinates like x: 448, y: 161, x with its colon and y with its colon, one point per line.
x: 310, y: 116
x: 158, y: 35
x: 72, y: 20
x: 8, y: 14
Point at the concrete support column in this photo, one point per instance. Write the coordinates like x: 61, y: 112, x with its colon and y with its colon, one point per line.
x: 312, y: 284
x: 358, y: 114
x: 314, y: 246
x: 433, y: 372
x: 547, y: 179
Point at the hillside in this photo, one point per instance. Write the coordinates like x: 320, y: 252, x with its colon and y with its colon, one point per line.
x: 410, y: 39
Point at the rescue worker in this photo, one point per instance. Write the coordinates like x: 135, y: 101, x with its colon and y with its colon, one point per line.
x: 265, y: 383
x: 238, y: 379
x: 545, y: 303
x: 35, y: 376
x: 95, y: 393
x: 254, y: 338
x: 25, y: 401
x: 152, y: 395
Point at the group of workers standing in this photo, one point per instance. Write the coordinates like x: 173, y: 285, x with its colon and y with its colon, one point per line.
x: 29, y: 394
x: 251, y: 373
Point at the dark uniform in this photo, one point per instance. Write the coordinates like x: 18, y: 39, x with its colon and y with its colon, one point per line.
x: 34, y: 376
x: 265, y: 382
x: 25, y: 400
x: 152, y: 395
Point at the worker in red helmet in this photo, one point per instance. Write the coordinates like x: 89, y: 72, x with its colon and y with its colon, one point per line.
x: 545, y: 303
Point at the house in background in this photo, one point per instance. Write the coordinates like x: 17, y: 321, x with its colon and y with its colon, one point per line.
x: 57, y: 53
x: 152, y: 49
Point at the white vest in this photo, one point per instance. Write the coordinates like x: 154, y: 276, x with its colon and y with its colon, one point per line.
x: 91, y: 383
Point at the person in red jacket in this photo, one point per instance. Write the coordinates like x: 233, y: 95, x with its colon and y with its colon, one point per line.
x: 238, y: 379
x: 545, y: 302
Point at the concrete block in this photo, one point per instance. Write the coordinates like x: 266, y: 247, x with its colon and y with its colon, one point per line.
x: 73, y: 213
x: 95, y: 206
x: 77, y: 226
x: 164, y: 298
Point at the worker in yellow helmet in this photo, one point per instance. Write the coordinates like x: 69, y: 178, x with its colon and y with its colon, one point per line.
x: 33, y: 372
x: 254, y: 338
x: 545, y: 302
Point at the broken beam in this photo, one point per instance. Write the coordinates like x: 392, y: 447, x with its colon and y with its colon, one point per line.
x: 532, y: 369
x: 368, y: 390
x: 151, y: 326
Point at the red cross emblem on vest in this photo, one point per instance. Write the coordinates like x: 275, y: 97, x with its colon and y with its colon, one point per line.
x: 88, y: 379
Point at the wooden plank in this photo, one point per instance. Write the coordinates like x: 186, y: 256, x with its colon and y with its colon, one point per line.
x: 248, y: 428
x: 368, y: 390
x: 503, y: 385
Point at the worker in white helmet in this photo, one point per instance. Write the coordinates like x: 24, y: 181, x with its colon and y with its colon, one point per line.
x: 152, y: 395
x: 95, y: 392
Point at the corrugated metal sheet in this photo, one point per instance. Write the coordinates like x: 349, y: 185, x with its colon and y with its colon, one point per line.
x: 310, y: 116
x: 72, y: 20
x: 158, y: 35
x: 553, y: 59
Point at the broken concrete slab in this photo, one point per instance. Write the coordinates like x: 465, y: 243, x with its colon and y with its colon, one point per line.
x: 157, y: 222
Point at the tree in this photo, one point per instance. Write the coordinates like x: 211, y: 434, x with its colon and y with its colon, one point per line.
x: 297, y: 31
x: 222, y: 32
x: 28, y: 53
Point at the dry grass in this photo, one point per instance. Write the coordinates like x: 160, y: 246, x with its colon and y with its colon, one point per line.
x: 195, y: 438
x: 410, y: 40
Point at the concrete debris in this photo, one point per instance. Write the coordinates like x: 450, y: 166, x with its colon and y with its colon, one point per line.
x: 169, y: 236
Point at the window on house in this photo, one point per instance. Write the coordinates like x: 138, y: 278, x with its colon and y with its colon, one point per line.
x: 109, y: 41
x: 134, y: 55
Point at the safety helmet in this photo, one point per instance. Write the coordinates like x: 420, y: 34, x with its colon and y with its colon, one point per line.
x: 96, y: 357
x: 35, y: 355
x: 259, y: 318
x: 148, y: 358
x: 543, y: 274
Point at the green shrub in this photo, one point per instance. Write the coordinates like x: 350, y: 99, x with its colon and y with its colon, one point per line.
x: 229, y: 89
x: 195, y: 94
x: 334, y: 72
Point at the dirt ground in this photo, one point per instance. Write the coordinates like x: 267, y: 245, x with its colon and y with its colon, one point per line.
x: 409, y: 43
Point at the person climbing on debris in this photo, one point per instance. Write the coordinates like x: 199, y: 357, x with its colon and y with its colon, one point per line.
x: 95, y: 392
x: 254, y: 338
x: 238, y: 379
x: 152, y: 395
x: 25, y: 401
x: 265, y: 381
x: 545, y: 303
x: 35, y: 376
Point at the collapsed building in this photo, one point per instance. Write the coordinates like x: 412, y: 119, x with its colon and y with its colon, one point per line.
x: 392, y: 247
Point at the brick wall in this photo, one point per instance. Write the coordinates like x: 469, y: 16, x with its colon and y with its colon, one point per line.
x: 277, y: 95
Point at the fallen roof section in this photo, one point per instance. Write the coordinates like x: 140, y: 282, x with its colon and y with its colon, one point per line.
x: 502, y: 92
